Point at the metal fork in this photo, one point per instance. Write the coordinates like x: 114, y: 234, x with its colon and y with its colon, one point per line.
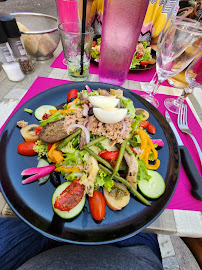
x: 183, y: 126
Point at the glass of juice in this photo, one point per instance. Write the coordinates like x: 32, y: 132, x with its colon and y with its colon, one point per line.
x: 77, y: 48
x: 122, y: 23
x: 67, y: 11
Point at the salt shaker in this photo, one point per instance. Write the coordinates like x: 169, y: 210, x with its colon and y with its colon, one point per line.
x: 9, y: 64
x: 14, y: 38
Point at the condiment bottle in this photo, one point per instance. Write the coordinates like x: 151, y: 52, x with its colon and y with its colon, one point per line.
x: 14, y: 38
x: 9, y: 64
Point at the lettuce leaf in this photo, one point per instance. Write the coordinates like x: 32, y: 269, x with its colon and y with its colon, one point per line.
x: 128, y: 104
x: 102, y: 179
x: 142, y: 171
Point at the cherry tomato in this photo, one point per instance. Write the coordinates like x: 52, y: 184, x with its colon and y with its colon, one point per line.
x: 26, y: 149
x: 151, y: 129
x: 38, y: 130
x: 109, y: 154
x: 72, y: 94
x: 144, y: 124
x: 97, y: 205
x: 144, y: 63
x: 94, y: 43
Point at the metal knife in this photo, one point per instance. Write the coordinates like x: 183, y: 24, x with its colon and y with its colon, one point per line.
x: 188, y: 163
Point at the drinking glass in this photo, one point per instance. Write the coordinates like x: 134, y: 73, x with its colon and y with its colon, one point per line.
x: 68, y: 11
x: 193, y: 76
x: 122, y: 23
x: 76, y: 55
x: 178, y: 46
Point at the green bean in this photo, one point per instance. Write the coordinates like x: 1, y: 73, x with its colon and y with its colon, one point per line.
x: 130, y: 152
x: 99, y: 139
x: 127, y: 184
x: 103, y: 161
x: 68, y: 139
x: 120, y: 157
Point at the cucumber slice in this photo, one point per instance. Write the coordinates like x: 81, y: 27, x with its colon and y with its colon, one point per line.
x: 39, y: 112
x: 42, y: 163
x: 74, y: 211
x: 153, y: 188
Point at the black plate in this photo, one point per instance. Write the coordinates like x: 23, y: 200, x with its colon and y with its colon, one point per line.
x: 140, y: 68
x: 32, y: 203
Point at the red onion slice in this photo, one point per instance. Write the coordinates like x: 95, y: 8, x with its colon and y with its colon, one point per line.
x: 128, y: 116
x: 100, y: 124
x: 124, y: 127
x: 85, y: 109
x: 88, y: 88
x: 87, y: 133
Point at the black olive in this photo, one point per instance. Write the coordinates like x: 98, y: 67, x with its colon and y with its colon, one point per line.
x: 55, y: 179
x: 72, y: 99
x: 90, y: 112
x: 60, y: 107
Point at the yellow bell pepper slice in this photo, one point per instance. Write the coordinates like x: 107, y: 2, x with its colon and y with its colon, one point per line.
x: 143, y: 137
x: 54, y: 155
x: 155, y: 166
x: 70, y: 169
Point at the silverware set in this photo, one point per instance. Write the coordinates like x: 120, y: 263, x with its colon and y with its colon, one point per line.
x: 186, y: 158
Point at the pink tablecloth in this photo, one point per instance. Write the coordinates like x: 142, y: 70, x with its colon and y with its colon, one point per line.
x: 139, y: 76
x: 182, y: 198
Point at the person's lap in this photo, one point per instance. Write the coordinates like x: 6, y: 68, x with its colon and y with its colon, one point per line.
x: 19, y: 243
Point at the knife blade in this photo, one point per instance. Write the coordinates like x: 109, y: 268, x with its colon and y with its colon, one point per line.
x: 188, y: 163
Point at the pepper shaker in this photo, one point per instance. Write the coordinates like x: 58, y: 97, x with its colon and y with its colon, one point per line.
x: 14, y: 38
x: 9, y: 64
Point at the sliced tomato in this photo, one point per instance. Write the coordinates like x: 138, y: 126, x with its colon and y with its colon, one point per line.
x: 139, y: 55
x: 151, y: 129
x: 38, y: 130
x: 131, y: 149
x: 49, y: 146
x: 26, y: 149
x: 97, y: 205
x: 94, y: 43
x: 72, y: 94
x: 70, y: 197
x: 109, y: 154
x: 45, y: 116
x: 144, y: 124
x: 144, y: 63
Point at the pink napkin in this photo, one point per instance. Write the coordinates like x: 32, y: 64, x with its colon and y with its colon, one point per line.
x: 139, y: 76
x: 182, y: 198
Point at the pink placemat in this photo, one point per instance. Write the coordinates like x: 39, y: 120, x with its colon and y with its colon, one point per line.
x: 139, y: 76
x: 182, y: 198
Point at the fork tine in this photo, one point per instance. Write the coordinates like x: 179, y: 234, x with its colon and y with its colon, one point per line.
x: 185, y: 114
x: 179, y: 117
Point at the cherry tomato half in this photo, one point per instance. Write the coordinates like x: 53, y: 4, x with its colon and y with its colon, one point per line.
x: 144, y: 124
x: 94, y: 43
x: 72, y: 94
x: 109, y: 154
x: 26, y: 149
x: 144, y: 63
x: 97, y: 205
x: 151, y: 129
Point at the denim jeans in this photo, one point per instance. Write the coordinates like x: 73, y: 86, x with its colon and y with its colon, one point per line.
x: 19, y: 243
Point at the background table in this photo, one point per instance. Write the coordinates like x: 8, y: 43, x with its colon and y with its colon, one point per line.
x: 178, y: 222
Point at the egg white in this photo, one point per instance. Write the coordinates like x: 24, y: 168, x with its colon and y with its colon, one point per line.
x: 103, y: 101
x: 111, y: 116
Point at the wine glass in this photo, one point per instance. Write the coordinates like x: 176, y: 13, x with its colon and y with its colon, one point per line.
x: 193, y: 76
x: 178, y: 46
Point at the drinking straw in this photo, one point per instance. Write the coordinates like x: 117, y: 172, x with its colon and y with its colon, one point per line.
x: 83, y: 33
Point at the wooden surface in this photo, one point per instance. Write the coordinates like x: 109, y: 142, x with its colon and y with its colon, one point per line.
x: 177, y: 222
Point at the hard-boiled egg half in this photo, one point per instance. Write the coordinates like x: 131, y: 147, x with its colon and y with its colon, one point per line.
x: 103, y: 101
x: 109, y: 115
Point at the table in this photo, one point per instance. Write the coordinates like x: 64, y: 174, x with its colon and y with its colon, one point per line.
x: 176, y: 222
